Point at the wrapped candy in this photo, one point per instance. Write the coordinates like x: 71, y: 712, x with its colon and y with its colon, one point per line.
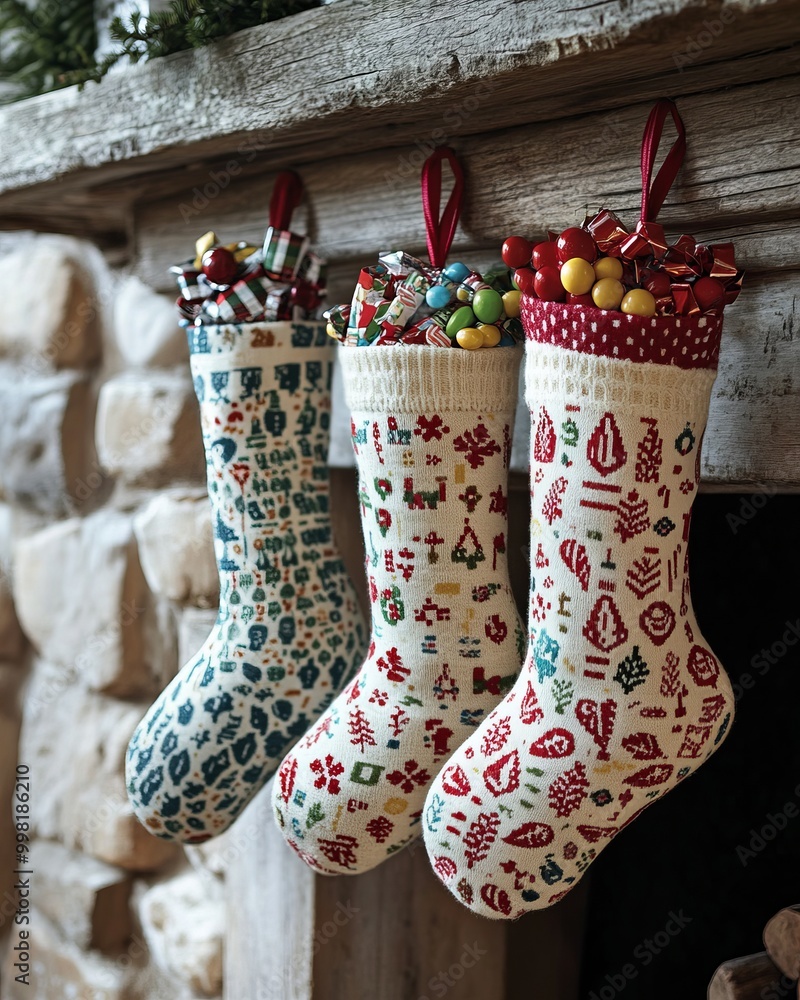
x: 404, y: 301
x: 241, y: 283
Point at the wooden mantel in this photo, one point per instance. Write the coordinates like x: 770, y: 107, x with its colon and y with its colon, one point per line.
x: 544, y: 101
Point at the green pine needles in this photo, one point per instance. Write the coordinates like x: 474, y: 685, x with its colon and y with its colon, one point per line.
x: 51, y: 43
x: 43, y: 43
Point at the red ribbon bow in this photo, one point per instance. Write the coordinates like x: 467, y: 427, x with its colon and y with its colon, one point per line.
x: 286, y: 196
x: 440, y: 231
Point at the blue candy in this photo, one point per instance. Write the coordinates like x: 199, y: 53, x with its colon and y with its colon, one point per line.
x: 456, y: 272
x: 438, y: 296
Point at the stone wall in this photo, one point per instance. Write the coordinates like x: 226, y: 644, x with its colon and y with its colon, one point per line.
x: 107, y: 583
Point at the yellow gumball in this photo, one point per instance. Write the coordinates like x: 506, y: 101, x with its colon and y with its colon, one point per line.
x: 330, y: 329
x: 607, y: 293
x: 511, y: 303
x: 577, y: 275
x: 639, y: 302
x: 608, y: 267
x: 470, y: 338
x: 464, y: 294
x: 491, y: 335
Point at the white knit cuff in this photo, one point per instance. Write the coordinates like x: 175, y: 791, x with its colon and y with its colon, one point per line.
x: 570, y: 375
x: 410, y: 379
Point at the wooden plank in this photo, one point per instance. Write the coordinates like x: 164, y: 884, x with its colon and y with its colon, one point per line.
x: 557, y: 933
x: 270, y: 905
x: 376, y: 83
x: 745, y: 978
x: 547, y: 176
x: 406, y: 937
x: 782, y: 941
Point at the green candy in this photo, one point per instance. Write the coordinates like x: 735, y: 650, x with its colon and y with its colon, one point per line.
x: 463, y: 316
x: 487, y: 304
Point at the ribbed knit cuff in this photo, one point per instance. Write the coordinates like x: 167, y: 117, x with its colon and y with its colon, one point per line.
x: 554, y: 372
x: 424, y: 379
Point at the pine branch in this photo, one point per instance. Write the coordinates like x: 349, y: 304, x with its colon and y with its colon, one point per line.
x: 51, y: 45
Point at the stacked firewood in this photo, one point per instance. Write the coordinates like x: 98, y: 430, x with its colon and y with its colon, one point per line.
x: 767, y: 975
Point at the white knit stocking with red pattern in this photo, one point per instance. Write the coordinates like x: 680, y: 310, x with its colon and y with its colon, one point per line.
x: 432, y: 433
x: 619, y: 698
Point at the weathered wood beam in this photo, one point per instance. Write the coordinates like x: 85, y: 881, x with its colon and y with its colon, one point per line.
x: 377, y: 81
x: 747, y: 978
x: 782, y: 941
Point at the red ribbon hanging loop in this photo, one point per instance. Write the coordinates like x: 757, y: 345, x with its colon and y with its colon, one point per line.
x: 440, y: 231
x: 653, y: 195
x: 286, y: 196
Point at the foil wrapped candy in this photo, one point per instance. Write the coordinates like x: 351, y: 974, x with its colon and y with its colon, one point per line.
x: 684, y: 261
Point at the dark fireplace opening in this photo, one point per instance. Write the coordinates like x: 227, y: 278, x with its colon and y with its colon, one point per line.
x: 694, y: 879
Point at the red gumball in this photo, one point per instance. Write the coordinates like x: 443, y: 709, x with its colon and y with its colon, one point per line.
x: 545, y: 254
x: 547, y: 284
x: 580, y: 300
x: 657, y: 283
x: 524, y: 278
x: 219, y: 266
x: 709, y: 293
x: 576, y: 242
x: 517, y: 251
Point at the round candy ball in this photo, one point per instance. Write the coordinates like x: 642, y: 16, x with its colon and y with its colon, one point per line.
x: 579, y: 300
x: 516, y: 252
x: 487, y: 305
x: 608, y: 267
x: 657, y: 283
x: 639, y: 302
x: 219, y: 266
x: 575, y: 242
x: 464, y: 293
x: 470, y: 338
x: 547, y: 284
x: 456, y: 272
x: 607, y: 293
x: 577, y: 276
x: 437, y: 296
x: 524, y: 280
x: 709, y: 293
x: 491, y: 335
x: 511, y: 303
x: 463, y: 316
x: 545, y: 254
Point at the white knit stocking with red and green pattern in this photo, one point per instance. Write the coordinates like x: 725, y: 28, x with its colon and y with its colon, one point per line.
x: 432, y: 434
x: 619, y: 698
